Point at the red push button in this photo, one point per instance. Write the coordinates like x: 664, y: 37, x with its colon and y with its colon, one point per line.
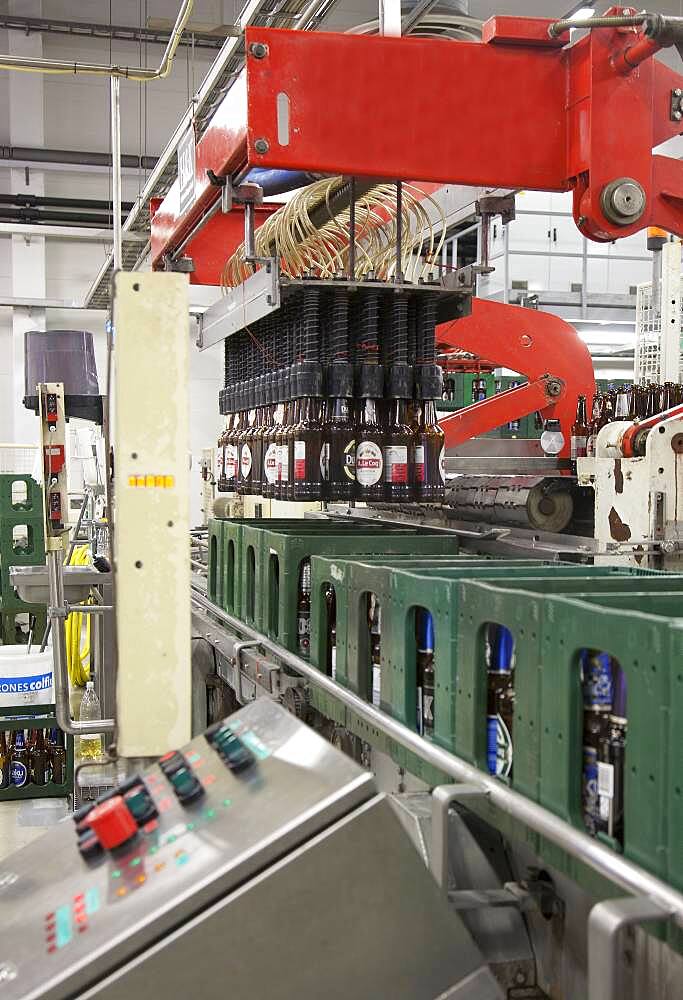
x: 113, y: 822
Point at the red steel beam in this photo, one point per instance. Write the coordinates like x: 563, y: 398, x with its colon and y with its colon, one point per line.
x: 517, y: 110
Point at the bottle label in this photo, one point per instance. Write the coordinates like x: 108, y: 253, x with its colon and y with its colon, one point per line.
x: 605, y: 780
x: 219, y: 465
x: 442, y: 465
x: 299, y: 460
x: 396, y: 463
x: 270, y: 463
x: 597, y: 682
x: 369, y: 463
x: 376, y: 685
x: 246, y: 461
x: 19, y: 773
x: 419, y: 463
x: 303, y: 628
x: 350, y: 461
x: 325, y: 462
x: 498, y: 746
x: 578, y: 446
x: 590, y: 445
x: 230, y: 461
x: 283, y: 463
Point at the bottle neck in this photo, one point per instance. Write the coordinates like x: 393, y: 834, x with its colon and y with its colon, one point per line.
x: 429, y: 417
x: 398, y: 412
x: 340, y: 411
x: 369, y: 413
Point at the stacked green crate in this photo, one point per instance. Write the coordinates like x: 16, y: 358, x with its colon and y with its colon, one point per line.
x: 27, y: 717
x: 22, y: 543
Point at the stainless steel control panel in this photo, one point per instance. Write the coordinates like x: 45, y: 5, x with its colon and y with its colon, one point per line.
x: 62, y: 911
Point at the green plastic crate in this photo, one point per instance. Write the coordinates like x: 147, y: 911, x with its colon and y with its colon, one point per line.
x: 37, y: 717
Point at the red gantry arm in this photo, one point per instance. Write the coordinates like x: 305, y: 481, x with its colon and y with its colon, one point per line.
x: 517, y: 110
x: 539, y: 345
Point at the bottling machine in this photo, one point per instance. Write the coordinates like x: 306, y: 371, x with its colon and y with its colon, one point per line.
x: 429, y: 655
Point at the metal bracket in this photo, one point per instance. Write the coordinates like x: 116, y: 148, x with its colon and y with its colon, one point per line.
x: 605, y: 922
x: 443, y: 797
x: 237, y: 661
x: 676, y: 106
x: 183, y: 265
x: 240, y: 194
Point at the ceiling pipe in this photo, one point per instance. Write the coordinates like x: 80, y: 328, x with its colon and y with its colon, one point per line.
x: 40, y: 201
x: 78, y: 157
x: 142, y: 74
x: 53, y: 217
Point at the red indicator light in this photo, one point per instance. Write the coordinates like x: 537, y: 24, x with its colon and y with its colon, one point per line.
x: 151, y: 826
x: 49, y: 916
x: 208, y: 780
x: 78, y: 897
x: 51, y: 948
x: 50, y: 937
x: 82, y: 928
x: 81, y: 918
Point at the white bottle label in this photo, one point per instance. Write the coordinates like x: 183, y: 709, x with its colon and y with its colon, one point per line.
x: 578, y: 446
x: 246, y: 460
x: 369, y: 463
x: 376, y: 685
x: 283, y: 464
x: 396, y: 463
x: 325, y: 462
x: 220, y: 465
x: 230, y: 461
x: 299, y: 460
x: 442, y: 465
x: 419, y: 463
x: 270, y: 463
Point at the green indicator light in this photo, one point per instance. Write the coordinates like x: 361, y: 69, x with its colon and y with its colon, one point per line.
x: 171, y: 839
x: 153, y: 850
x: 135, y: 862
x: 190, y: 826
x: 116, y: 873
x: 227, y: 802
x: 210, y: 813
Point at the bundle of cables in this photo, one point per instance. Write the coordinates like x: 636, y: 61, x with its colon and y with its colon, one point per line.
x: 323, y: 250
x: 77, y: 647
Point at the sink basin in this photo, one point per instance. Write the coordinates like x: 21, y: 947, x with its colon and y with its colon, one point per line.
x: 31, y: 583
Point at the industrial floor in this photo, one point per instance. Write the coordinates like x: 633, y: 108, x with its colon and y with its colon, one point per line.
x: 25, y: 820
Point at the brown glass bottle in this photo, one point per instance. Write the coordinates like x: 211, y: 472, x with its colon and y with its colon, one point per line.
x: 338, y: 451
x: 230, y: 453
x: 247, y: 454
x: 270, y: 450
x: 20, y: 767
x: 58, y: 756
x: 579, y: 431
x: 622, y: 404
x: 284, y: 442
x: 399, y: 455
x: 307, y: 481
x: 595, y: 417
x: 5, y: 761
x: 370, y: 453
x: 303, y: 612
x: 430, y: 456
x: 41, y: 761
x: 220, y: 461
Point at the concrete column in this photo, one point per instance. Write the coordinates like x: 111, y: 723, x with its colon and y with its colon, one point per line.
x: 28, y: 253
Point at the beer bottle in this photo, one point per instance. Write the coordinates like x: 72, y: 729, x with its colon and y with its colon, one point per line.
x: 478, y: 389
x: 425, y: 673
x: 257, y: 449
x: 369, y: 452
x: 307, y: 447
x: 20, y: 768
x: 331, y: 649
x: 220, y: 461
x: 283, y: 449
x: 270, y: 449
x: 246, y: 453
x: 500, y: 703
x: 513, y: 425
x: 338, y: 451
x: 595, y: 425
x: 303, y: 611
x: 5, y: 761
x: 58, y: 755
x: 621, y: 406
x: 375, y: 627
x: 230, y: 453
x: 596, y: 683
x: 430, y: 456
x: 41, y: 763
x: 579, y: 431
x: 611, y: 759
x: 399, y: 455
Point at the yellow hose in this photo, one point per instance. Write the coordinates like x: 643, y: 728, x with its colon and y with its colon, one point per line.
x: 77, y: 655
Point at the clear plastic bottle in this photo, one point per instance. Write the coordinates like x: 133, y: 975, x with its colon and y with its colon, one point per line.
x: 90, y: 744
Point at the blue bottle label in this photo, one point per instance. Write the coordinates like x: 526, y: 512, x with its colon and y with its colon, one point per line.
x: 19, y: 773
x: 597, y: 681
x: 498, y: 746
